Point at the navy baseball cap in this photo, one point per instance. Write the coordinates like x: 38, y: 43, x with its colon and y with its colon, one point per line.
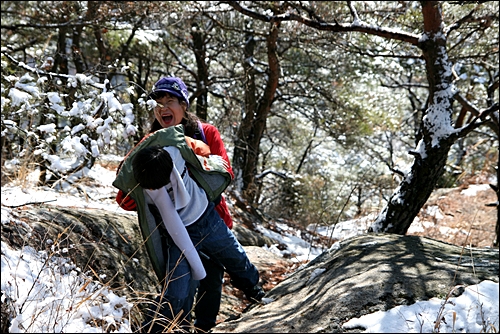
x: 172, y: 85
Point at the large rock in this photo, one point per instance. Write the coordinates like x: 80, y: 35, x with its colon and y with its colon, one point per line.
x: 105, y: 245
x: 98, y: 241
x: 366, y: 274
x: 247, y: 237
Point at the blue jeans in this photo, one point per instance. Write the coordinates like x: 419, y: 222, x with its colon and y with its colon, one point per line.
x: 209, y: 295
x: 212, y: 237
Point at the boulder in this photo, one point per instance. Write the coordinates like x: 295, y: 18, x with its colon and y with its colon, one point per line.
x: 248, y: 237
x: 104, y: 245
x: 365, y: 274
x: 107, y: 246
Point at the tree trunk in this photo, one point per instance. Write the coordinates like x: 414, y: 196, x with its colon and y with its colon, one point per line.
x: 200, y: 53
x: 246, y: 150
x: 61, y: 59
x: 240, y: 144
x: 432, y: 151
x: 496, y: 243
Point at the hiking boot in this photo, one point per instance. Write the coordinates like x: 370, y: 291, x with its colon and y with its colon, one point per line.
x: 255, y: 294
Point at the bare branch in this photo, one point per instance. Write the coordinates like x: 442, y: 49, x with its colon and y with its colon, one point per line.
x: 261, y: 175
x: 353, y: 11
x: 181, y: 63
x: 479, y: 119
x: 45, y: 26
x: 356, y: 26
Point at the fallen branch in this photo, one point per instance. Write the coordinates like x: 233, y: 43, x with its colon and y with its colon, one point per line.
x: 29, y: 203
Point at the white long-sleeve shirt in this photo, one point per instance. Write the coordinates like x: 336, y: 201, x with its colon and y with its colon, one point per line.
x: 181, y: 203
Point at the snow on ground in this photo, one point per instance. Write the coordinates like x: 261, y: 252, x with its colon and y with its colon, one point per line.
x: 474, y: 188
x: 50, y: 294
x: 345, y: 229
x: 475, y: 311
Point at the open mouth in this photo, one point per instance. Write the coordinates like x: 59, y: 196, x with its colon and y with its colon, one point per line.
x: 167, y: 118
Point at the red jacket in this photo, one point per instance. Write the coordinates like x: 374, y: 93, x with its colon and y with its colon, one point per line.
x: 214, y: 141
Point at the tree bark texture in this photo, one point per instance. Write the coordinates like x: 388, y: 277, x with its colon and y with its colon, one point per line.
x: 251, y: 130
x: 437, y: 137
x: 200, y: 53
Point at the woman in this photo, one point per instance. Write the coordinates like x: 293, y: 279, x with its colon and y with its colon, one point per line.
x: 172, y: 103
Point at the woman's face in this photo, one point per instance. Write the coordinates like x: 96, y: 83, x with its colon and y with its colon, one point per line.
x: 169, y: 110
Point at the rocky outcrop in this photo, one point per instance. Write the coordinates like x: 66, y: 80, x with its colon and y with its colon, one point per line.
x: 366, y: 274
x: 109, y: 244
x: 105, y: 245
x: 247, y: 237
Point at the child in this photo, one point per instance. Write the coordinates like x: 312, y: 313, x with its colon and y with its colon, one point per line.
x: 190, y: 224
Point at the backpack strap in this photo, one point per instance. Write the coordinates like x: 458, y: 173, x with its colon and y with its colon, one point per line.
x: 202, y: 133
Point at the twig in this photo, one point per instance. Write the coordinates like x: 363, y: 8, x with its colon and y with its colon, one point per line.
x: 29, y: 203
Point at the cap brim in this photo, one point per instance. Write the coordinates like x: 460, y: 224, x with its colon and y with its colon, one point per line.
x: 157, y: 93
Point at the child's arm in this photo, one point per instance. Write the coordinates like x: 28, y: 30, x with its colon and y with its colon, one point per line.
x: 177, y: 230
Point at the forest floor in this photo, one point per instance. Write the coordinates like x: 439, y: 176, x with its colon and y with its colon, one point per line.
x: 459, y: 216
